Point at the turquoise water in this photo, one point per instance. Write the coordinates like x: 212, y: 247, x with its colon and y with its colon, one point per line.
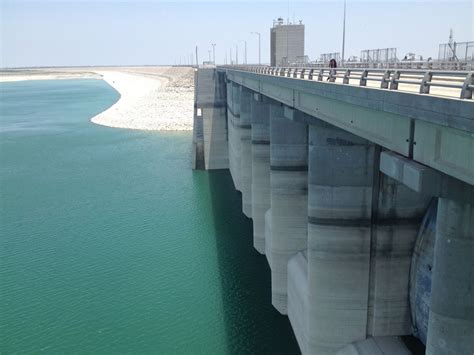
x: 111, y: 243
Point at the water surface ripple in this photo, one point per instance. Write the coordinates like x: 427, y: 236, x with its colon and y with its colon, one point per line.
x: 111, y: 243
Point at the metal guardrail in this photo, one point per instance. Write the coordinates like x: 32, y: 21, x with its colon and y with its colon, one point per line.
x: 390, y: 79
x: 399, y: 64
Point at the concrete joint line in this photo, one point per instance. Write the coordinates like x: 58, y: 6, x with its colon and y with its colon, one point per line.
x: 262, y: 142
x: 289, y: 168
x: 340, y: 222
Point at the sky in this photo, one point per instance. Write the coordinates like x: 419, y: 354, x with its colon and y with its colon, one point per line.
x: 112, y: 32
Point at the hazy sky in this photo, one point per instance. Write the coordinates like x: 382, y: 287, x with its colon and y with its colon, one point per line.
x: 85, y: 32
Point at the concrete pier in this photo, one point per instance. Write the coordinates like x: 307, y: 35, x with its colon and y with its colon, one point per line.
x: 376, y: 345
x: 245, y: 127
x: 260, y: 113
x: 339, y: 230
x: 288, y: 180
x: 395, y: 224
x: 451, y: 321
x: 337, y: 180
x: 268, y: 236
x: 210, y: 137
x: 233, y: 124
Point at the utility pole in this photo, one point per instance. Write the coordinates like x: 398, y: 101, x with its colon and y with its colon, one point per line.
x: 258, y: 34
x: 213, y: 53
x: 343, y: 34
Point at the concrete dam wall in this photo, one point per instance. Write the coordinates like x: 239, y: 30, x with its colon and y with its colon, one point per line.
x: 340, y: 183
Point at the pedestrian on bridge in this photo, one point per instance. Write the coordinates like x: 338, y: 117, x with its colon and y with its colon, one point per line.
x: 332, y: 71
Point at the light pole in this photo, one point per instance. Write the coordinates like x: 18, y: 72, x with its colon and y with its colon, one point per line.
x: 230, y: 52
x: 197, y: 58
x: 237, y: 54
x: 245, y: 51
x: 258, y: 34
x: 343, y: 34
x: 213, y: 53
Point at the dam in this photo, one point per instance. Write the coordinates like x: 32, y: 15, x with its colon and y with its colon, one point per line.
x: 338, y: 175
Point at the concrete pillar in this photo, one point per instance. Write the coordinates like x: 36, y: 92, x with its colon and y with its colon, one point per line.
x: 288, y: 180
x: 260, y: 114
x: 210, y: 125
x: 268, y: 235
x: 230, y: 129
x: 376, y: 345
x: 298, y: 296
x: 215, y: 138
x: 395, y: 224
x: 339, y: 216
x: 233, y: 118
x: 451, y: 321
x: 246, y: 97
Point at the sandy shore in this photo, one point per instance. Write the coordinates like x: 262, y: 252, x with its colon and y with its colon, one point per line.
x: 151, y: 98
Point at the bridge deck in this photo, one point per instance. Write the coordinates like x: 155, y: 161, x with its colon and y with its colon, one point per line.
x: 434, y: 130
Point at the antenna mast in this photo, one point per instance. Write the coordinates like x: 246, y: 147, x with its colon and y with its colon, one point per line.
x: 452, y: 45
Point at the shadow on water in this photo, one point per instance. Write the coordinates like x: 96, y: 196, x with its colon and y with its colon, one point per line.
x: 252, y: 324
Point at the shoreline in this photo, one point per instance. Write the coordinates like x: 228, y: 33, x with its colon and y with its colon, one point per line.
x: 11, y: 78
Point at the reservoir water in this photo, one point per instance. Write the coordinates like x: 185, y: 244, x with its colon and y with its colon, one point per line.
x: 111, y: 243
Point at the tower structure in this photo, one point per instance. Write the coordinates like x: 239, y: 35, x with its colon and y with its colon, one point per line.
x: 286, y: 43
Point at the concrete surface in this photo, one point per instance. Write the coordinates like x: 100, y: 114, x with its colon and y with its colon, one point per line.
x: 260, y: 113
x: 288, y: 179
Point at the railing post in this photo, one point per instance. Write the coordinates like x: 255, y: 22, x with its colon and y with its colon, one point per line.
x: 425, y: 83
x: 320, y: 75
x: 394, y: 80
x: 363, y: 78
x: 385, y: 79
x: 347, y: 74
x: 466, y: 91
